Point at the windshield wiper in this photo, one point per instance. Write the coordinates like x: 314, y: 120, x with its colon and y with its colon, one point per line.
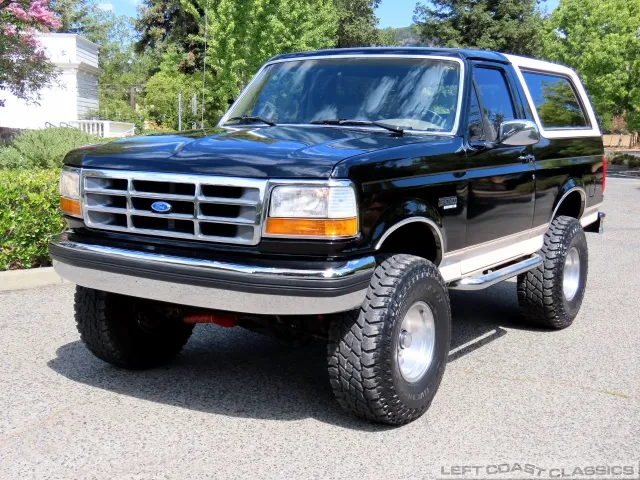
x: 344, y: 121
x: 252, y: 118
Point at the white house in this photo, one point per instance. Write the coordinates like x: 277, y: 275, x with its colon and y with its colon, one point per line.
x: 73, y: 95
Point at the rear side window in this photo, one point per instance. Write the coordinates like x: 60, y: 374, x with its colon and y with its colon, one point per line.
x: 495, y: 99
x: 555, y: 100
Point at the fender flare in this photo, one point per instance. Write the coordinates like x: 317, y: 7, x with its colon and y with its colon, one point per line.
x: 567, y: 189
x: 411, y: 211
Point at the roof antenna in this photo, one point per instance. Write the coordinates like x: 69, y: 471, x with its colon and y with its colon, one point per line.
x: 204, y: 62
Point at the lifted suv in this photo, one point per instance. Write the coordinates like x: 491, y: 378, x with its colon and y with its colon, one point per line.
x: 340, y: 197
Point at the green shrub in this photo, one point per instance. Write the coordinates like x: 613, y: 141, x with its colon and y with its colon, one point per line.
x: 43, y: 148
x: 624, y: 159
x: 28, y: 217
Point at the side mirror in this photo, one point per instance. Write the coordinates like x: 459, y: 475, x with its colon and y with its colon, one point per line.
x: 518, y: 133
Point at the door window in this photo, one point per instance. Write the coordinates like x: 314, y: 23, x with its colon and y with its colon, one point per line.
x: 495, y: 99
x: 476, y: 128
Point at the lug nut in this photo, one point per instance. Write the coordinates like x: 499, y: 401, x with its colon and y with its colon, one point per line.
x: 405, y: 339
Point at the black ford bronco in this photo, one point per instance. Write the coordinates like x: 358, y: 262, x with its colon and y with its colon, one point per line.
x: 340, y: 197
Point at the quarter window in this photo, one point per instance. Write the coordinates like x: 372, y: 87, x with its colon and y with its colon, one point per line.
x: 555, y: 100
x: 495, y: 98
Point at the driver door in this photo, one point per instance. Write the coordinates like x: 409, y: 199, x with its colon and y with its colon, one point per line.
x: 501, y: 177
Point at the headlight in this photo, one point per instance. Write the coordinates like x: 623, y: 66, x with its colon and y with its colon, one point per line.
x: 312, y: 211
x: 70, y: 192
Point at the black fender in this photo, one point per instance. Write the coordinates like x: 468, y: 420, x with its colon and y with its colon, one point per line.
x: 570, y: 186
x: 409, y: 211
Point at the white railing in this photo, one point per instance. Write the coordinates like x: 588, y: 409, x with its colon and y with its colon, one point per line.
x: 105, y: 128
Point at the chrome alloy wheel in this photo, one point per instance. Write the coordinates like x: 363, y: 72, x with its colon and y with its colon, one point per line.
x: 571, y: 276
x: 416, y: 342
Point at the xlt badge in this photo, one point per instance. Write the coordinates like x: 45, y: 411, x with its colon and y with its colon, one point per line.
x: 448, y: 202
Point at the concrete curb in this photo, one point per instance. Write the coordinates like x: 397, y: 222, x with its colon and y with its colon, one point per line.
x: 30, y: 278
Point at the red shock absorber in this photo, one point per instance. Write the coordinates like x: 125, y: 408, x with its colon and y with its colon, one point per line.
x: 604, y: 172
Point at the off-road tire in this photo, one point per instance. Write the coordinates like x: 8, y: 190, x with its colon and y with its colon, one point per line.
x: 362, y: 361
x: 128, y: 332
x: 540, y: 291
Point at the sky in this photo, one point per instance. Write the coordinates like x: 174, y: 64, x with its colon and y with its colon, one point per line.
x: 120, y: 7
x: 392, y: 13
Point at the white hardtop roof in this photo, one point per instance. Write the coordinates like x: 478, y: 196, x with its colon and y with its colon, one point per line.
x: 534, y: 64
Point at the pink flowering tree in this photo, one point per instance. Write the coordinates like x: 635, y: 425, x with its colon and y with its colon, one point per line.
x: 24, y: 67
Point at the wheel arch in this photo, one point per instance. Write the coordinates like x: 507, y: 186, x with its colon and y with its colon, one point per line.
x: 396, y: 229
x: 572, y: 201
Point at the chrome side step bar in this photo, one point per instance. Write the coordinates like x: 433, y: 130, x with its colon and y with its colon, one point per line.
x: 478, y: 282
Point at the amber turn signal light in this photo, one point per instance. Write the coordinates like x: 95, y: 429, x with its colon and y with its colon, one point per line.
x: 71, y: 207
x: 307, y: 227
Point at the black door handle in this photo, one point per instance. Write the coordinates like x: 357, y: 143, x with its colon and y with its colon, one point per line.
x: 527, y: 158
x: 460, y: 173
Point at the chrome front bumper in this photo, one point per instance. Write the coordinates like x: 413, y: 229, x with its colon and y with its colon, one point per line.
x: 211, y: 284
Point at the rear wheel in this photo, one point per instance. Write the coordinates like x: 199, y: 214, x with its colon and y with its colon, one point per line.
x: 386, y: 360
x: 128, y: 332
x: 551, y: 294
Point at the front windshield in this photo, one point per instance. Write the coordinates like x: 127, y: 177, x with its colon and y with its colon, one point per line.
x: 411, y: 93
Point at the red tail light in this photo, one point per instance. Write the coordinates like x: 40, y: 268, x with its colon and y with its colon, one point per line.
x: 604, y: 172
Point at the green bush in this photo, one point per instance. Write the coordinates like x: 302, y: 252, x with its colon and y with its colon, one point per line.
x: 624, y: 159
x: 28, y: 217
x: 43, y: 148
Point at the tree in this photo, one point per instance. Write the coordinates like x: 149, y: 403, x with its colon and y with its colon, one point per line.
x: 242, y: 34
x: 404, y: 36
x: 164, y: 25
x: 76, y: 16
x: 357, y: 23
x: 161, y: 99
x: 124, y: 73
x: 599, y: 38
x: 387, y: 37
x: 84, y: 17
x: 24, y: 67
x: 510, y: 26
x: 179, y: 25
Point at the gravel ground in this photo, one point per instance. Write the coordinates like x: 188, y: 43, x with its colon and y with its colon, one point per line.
x: 238, y: 405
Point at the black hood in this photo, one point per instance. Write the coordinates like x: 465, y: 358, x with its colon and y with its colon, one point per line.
x: 275, y: 152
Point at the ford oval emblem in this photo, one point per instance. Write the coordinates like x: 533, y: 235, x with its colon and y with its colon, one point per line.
x: 161, y: 207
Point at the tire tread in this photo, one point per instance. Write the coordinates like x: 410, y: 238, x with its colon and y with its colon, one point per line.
x: 540, y: 290
x: 356, y: 372
x: 97, y: 315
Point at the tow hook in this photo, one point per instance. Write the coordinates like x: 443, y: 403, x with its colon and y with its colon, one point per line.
x: 226, y: 321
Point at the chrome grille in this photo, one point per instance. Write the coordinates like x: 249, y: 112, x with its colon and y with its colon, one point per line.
x: 214, y: 209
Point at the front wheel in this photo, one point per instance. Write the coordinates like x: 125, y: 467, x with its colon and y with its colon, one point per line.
x: 128, y: 332
x: 551, y: 294
x: 386, y: 360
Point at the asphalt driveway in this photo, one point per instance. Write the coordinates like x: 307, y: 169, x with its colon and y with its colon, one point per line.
x: 238, y: 405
